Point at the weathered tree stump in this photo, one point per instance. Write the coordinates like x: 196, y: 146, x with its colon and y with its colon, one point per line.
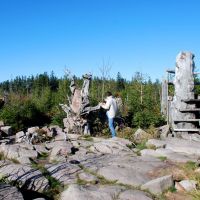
x: 79, y: 108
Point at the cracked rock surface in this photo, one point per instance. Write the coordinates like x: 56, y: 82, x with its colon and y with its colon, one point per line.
x: 92, y: 168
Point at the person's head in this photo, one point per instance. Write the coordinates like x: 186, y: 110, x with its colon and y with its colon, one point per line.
x: 108, y: 93
x: 117, y: 95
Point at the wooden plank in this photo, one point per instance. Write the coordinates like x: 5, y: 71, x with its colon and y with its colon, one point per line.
x: 190, y: 110
x: 171, y: 71
x: 187, y: 120
x: 186, y: 130
x: 190, y: 100
x: 164, y: 101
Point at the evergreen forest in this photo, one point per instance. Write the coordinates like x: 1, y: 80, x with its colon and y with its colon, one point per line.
x: 34, y: 100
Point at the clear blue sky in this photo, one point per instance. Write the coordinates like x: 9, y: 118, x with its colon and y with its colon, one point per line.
x: 39, y: 36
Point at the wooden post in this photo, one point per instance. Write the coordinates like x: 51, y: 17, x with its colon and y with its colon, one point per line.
x: 184, y: 89
x: 164, y: 98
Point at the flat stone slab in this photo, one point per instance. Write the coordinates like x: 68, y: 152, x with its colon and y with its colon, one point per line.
x: 24, y: 176
x: 88, y: 177
x: 8, y: 192
x: 73, y: 136
x: 18, y: 153
x: 65, y: 173
x: 85, y: 143
x: 193, y: 137
x: 183, y: 146
x: 159, y: 185
x: 169, y: 154
x: 156, y: 143
x: 126, y: 169
x: 75, y: 192
x: 111, y: 146
x: 123, y: 175
x: 132, y: 171
x: 133, y: 195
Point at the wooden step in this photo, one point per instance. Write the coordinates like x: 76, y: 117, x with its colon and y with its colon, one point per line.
x: 190, y: 110
x: 186, y: 130
x: 191, y: 100
x: 171, y: 71
x: 186, y: 120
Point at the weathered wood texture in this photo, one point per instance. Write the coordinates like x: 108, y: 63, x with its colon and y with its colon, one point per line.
x: 79, y: 108
x: 164, y: 97
x: 184, y: 89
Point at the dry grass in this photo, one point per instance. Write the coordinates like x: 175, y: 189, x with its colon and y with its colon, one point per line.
x: 178, y: 196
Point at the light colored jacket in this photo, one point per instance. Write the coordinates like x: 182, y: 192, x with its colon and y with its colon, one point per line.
x: 110, y: 106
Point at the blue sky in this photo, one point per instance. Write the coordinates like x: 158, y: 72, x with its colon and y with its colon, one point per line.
x: 39, y: 36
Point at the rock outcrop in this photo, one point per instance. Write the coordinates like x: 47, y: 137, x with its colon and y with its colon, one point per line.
x: 93, y: 167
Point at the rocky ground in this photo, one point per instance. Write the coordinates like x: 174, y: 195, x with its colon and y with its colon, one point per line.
x: 75, y: 167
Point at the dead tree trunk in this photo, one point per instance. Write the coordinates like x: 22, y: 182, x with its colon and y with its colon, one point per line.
x: 182, y: 112
x: 79, y: 108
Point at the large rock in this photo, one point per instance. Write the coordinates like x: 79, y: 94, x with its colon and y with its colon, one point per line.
x: 194, y: 136
x: 75, y: 192
x: 140, y: 136
x: 169, y: 154
x: 159, y: 185
x: 47, y: 131
x: 65, y: 173
x: 111, y: 146
x: 60, y: 136
x: 6, y: 129
x: 133, y: 195
x: 19, y: 137
x: 156, y: 143
x: 24, y: 176
x: 8, y: 192
x: 60, y: 150
x: 33, y: 129
x: 164, y: 131
x: 150, y: 152
x: 125, y: 168
x: 183, y: 146
x: 188, y: 185
x: 18, y: 153
x: 41, y: 149
x: 123, y: 175
x: 81, y: 155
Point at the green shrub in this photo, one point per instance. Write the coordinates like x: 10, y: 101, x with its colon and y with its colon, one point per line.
x: 23, y: 114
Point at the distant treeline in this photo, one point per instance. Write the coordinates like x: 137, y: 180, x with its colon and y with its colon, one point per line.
x: 35, y: 100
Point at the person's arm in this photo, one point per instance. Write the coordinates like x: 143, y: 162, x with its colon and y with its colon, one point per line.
x: 106, y: 105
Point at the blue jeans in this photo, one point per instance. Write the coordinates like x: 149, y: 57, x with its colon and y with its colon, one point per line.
x: 111, y: 126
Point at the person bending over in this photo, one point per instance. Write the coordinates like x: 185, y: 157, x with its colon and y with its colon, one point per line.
x: 111, y: 106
